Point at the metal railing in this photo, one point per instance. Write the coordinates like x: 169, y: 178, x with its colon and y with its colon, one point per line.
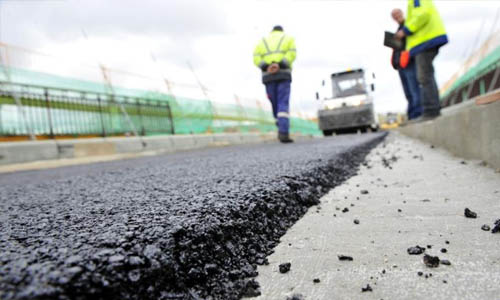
x: 486, y: 82
x: 55, y: 112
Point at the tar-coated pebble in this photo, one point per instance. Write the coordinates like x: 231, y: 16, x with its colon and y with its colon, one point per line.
x: 345, y: 257
x: 296, y: 297
x: 316, y: 280
x: 285, y: 267
x: 470, y: 214
x: 189, y: 225
x: 420, y: 273
x: 445, y: 262
x: 431, y: 261
x: 496, y: 227
x: 443, y: 250
x: 485, y: 227
x: 345, y: 210
x: 368, y: 288
x: 356, y: 221
x: 417, y: 250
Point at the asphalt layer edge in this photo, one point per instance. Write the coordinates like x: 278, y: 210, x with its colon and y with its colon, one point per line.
x: 213, y: 255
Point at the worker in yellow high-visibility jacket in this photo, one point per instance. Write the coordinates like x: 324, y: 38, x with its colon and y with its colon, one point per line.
x: 275, y: 55
x: 425, y: 34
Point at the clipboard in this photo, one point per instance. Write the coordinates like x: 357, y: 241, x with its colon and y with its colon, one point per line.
x: 391, y: 41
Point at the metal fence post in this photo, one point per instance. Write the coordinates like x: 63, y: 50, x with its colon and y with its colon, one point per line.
x: 49, y: 114
x: 101, y: 116
x: 139, y: 112
x: 171, y: 119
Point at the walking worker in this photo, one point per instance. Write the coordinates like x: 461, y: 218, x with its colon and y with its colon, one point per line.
x: 275, y: 55
x: 408, y: 73
x: 425, y: 34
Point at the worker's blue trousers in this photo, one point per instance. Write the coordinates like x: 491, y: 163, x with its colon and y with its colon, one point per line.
x: 278, y: 93
x: 412, y: 90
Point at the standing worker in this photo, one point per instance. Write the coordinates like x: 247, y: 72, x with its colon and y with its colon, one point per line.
x: 274, y: 55
x: 408, y: 73
x: 425, y: 34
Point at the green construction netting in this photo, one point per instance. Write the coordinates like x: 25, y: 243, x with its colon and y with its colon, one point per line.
x: 147, y: 110
x: 487, y: 64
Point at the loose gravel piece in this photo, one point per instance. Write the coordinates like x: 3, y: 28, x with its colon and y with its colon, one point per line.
x: 296, y: 297
x: 190, y: 225
x: 431, y: 261
x: 316, y: 280
x: 356, y: 221
x: 368, y: 288
x: 417, y: 250
x: 445, y: 262
x: 284, y: 268
x: 470, y: 214
x: 485, y: 227
x: 345, y: 257
x: 496, y: 228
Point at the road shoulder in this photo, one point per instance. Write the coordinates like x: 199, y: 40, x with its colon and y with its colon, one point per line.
x: 407, y: 194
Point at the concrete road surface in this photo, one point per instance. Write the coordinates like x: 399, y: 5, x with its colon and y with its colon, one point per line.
x: 407, y: 194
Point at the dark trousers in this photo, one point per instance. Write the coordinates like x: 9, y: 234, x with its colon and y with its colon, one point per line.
x: 412, y: 90
x: 278, y: 93
x: 428, y: 87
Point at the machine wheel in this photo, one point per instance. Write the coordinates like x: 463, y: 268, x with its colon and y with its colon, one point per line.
x: 351, y: 130
x: 327, y: 132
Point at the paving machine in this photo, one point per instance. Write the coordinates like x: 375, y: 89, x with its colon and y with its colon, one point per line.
x: 350, y: 108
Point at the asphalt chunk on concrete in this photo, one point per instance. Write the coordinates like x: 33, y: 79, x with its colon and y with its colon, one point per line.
x: 470, y: 214
x: 376, y: 244
x: 284, y: 268
x: 345, y: 257
x: 431, y: 261
x: 190, y: 225
x: 496, y: 227
x: 416, y: 250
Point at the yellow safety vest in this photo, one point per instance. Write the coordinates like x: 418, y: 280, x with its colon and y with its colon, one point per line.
x: 275, y: 48
x: 424, y: 27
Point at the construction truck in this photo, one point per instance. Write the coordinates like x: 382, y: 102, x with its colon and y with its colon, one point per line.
x: 350, y: 108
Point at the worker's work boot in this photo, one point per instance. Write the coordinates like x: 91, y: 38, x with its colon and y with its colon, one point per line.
x: 284, y: 138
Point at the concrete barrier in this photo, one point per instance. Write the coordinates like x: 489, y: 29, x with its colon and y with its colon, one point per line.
x: 18, y: 152
x: 467, y: 130
x: 23, y: 152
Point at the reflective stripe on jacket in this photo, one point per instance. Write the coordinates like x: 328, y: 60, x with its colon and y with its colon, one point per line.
x: 424, y: 27
x: 276, y: 48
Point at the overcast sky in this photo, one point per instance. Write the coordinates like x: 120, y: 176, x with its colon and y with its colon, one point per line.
x: 218, y: 37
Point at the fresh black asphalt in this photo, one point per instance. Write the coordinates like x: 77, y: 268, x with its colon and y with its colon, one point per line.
x: 190, y: 225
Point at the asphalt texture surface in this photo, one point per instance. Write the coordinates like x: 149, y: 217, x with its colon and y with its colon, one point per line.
x: 191, y: 225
